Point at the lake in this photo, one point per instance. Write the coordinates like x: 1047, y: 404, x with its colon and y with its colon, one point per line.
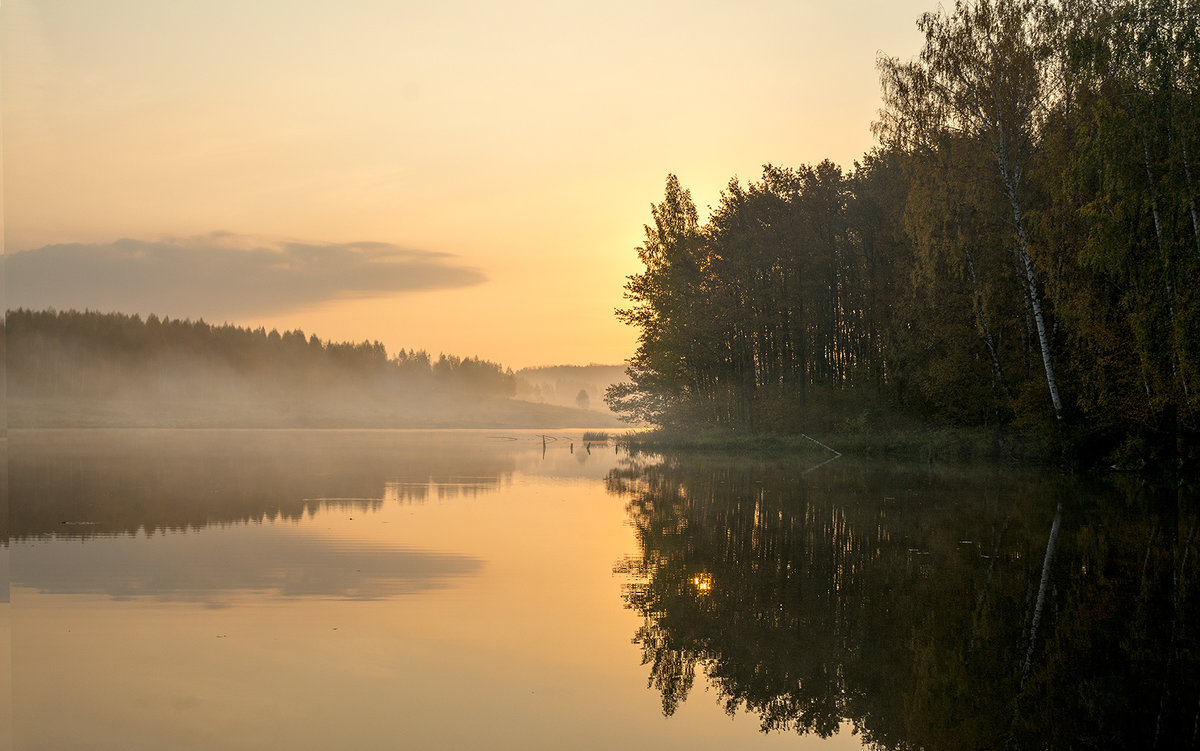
x: 490, y: 589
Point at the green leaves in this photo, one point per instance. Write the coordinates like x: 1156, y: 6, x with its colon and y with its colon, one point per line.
x: 1020, y: 250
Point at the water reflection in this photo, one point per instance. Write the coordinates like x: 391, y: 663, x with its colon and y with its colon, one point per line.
x: 921, y: 608
x: 213, y: 516
x: 223, y: 565
x: 94, y: 482
x: 4, y: 520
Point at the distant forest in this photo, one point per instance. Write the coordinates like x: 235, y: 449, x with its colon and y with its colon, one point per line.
x: 569, y: 385
x: 1020, y: 250
x: 88, y: 368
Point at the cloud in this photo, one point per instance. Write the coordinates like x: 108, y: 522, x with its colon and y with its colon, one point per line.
x: 221, y: 275
x: 215, y: 565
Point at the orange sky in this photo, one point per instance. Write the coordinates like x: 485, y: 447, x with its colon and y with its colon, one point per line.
x: 515, y: 146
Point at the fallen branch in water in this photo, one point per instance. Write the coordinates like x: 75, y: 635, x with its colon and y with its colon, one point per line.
x: 836, y: 454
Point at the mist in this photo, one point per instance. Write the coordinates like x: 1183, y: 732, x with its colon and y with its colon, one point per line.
x: 581, y: 386
x: 111, y: 370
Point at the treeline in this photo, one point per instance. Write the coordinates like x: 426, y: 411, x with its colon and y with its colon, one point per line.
x: 76, y: 353
x: 568, y: 385
x: 1020, y: 249
x: 78, y: 362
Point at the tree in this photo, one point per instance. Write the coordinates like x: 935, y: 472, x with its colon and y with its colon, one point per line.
x: 668, y: 300
x: 1134, y: 127
x: 983, y: 74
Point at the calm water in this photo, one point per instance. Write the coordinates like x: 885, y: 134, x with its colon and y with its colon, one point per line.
x: 478, y: 590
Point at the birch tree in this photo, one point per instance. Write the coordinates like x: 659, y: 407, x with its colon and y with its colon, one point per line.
x: 983, y: 74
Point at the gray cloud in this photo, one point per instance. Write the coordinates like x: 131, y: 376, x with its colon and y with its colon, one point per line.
x: 212, y: 565
x: 221, y: 275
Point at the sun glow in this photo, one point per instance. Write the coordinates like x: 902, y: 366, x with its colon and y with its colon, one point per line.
x: 502, y: 135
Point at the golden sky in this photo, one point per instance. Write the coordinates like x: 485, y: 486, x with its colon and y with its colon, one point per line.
x: 464, y: 177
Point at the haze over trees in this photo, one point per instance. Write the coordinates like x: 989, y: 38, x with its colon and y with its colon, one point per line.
x: 563, y: 384
x: 1019, y: 250
x: 73, y: 368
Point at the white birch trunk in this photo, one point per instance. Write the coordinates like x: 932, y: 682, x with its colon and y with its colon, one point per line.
x: 1168, y: 288
x: 1187, y: 173
x: 1002, y: 152
x: 1034, y: 298
x: 1041, y: 596
x: 1037, y: 618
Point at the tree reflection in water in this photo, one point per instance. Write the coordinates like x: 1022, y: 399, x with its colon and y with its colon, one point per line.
x: 922, y: 608
x: 84, y: 483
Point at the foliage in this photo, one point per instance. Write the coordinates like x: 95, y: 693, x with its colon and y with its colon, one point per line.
x: 90, y: 362
x: 1020, y: 251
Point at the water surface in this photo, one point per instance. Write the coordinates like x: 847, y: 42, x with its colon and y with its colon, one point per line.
x: 486, y: 589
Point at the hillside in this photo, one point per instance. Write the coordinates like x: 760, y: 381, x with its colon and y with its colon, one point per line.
x: 570, y: 385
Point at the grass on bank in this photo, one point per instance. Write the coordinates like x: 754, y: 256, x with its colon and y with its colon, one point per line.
x: 915, y: 444
x: 837, y: 422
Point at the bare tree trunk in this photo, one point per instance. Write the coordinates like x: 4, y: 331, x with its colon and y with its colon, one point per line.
x: 1187, y: 173
x: 987, y: 331
x: 1169, y: 288
x: 1037, y: 619
x: 1041, y: 597
x: 1034, y: 299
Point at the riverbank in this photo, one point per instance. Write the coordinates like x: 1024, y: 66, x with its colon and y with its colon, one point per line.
x: 940, y: 445
x: 915, y: 444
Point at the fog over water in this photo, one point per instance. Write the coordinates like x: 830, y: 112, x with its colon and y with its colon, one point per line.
x: 211, y: 588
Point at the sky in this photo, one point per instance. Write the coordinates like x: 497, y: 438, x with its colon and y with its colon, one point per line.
x: 458, y: 176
